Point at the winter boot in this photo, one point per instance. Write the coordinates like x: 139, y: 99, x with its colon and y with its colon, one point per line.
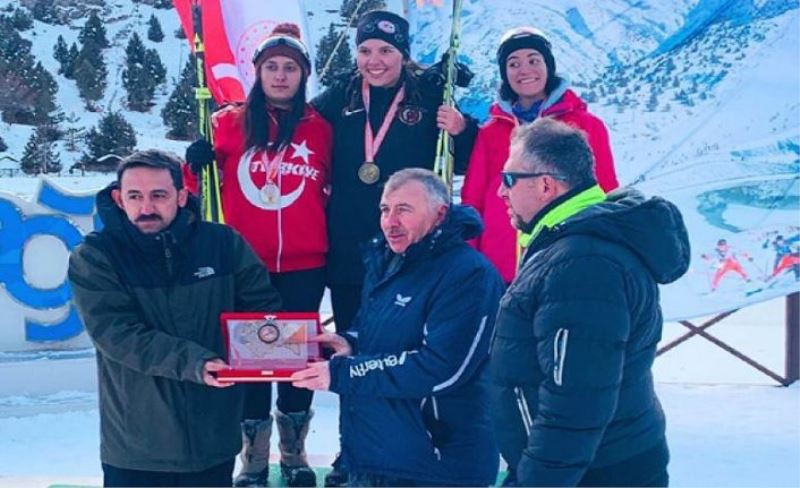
x: 255, y: 453
x: 293, y: 429
x: 338, y: 476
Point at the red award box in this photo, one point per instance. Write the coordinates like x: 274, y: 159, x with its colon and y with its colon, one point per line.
x: 268, y: 346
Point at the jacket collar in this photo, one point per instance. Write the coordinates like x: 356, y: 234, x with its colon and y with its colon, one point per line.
x: 560, y: 209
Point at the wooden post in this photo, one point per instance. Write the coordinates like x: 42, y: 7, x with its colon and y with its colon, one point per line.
x: 792, y: 338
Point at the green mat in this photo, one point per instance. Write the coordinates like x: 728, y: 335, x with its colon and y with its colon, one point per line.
x: 275, y: 478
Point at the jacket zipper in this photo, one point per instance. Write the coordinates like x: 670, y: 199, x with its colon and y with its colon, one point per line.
x: 559, y: 355
x: 280, y: 220
x: 524, y: 412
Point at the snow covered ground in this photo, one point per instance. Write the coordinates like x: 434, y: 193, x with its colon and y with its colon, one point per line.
x: 728, y: 425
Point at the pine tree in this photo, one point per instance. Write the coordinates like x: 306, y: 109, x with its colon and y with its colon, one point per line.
x: 3, y: 145
x: 154, y: 32
x: 154, y: 67
x: 342, y: 60
x: 143, y: 72
x: 180, y: 112
x: 90, y: 73
x: 69, y: 64
x: 39, y: 155
x: 44, y: 11
x: 179, y: 34
x: 134, y: 51
x: 94, y: 31
x: 44, y: 89
x: 113, y: 135
x: 61, y: 54
x: 348, y: 9
x: 21, y: 20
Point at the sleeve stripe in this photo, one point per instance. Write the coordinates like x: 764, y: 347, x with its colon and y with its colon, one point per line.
x: 463, y: 366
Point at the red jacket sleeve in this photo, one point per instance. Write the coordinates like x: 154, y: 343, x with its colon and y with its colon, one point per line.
x: 477, y: 177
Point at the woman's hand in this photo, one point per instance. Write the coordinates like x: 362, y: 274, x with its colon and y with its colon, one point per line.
x: 451, y: 120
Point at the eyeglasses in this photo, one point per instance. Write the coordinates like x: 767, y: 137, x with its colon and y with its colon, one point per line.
x: 510, y: 178
x: 280, y: 41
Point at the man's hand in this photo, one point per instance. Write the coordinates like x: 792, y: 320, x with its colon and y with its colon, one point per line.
x: 213, y: 366
x: 336, y: 342
x: 316, y: 377
x: 451, y: 120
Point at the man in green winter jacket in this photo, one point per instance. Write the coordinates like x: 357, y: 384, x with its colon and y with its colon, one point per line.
x: 150, y: 287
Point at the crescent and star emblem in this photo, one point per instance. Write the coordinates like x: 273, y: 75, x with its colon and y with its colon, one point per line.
x: 253, y: 193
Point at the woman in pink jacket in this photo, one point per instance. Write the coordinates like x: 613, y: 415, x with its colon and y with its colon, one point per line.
x: 530, y: 89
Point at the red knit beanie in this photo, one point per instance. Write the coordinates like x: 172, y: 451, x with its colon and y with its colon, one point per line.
x: 284, y: 41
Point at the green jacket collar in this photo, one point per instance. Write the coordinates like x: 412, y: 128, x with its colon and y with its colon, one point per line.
x: 561, y: 209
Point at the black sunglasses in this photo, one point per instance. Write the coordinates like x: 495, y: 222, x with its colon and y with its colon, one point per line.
x: 510, y: 178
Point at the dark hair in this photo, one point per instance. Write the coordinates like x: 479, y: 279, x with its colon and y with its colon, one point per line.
x: 257, y: 120
x: 553, y: 146
x: 154, y: 159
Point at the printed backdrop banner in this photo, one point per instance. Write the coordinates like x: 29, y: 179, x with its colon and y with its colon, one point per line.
x: 232, y: 30
x: 735, y: 178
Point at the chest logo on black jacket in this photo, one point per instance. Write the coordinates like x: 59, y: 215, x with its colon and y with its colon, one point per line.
x: 264, y: 181
x: 410, y: 115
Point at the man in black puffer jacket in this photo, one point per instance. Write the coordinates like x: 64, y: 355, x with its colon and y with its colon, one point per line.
x: 150, y: 287
x: 576, y: 334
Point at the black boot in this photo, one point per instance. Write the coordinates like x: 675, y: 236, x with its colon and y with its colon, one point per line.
x: 338, y: 475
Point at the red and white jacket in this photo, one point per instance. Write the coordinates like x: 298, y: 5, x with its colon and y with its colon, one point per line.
x: 287, y: 233
x: 499, y: 239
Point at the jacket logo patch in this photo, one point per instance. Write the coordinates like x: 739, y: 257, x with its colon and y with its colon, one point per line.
x: 204, y: 272
x: 410, y: 115
x: 401, y: 301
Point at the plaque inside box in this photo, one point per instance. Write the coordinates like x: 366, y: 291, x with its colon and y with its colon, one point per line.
x: 268, y: 346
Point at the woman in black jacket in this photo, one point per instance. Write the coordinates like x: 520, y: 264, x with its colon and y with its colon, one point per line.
x: 405, y: 111
x: 403, y: 104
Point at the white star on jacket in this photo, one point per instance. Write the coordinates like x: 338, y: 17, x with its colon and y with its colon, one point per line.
x: 301, y: 150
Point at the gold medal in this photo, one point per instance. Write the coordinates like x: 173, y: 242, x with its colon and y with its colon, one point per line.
x: 270, y: 193
x: 369, y: 173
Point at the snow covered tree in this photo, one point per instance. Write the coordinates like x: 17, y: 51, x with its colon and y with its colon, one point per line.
x: 180, y: 112
x: 61, y: 53
x: 342, y: 59
x: 113, y: 135
x: 154, y: 67
x: 89, y: 71
x: 40, y: 155
x: 94, y: 31
x: 69, y: 64
x: 44, y: 89
x: 45, y: 11
x: 154, y: 32
x: 143, y: 71
x: 348, y: 9
x: 21, y: 19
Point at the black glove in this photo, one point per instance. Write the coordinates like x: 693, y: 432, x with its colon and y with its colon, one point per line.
x: 199, y: 155
x: 436, y: 74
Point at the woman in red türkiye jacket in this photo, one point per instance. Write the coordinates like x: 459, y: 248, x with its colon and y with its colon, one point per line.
x: 274, y: 157
x: 530, y: 89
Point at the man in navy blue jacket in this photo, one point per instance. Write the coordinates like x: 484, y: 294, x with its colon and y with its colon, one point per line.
x: 412, y: 371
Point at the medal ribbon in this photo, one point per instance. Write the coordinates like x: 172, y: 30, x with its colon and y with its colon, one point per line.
x: 373, y: 143
x: 271, y: 166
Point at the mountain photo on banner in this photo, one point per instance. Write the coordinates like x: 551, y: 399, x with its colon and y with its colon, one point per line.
x: 231, y: 31
x: 702, y: 102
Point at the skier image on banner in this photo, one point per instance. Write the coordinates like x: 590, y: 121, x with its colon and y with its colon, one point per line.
x: 726, y: 260
x: 787, y: 256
